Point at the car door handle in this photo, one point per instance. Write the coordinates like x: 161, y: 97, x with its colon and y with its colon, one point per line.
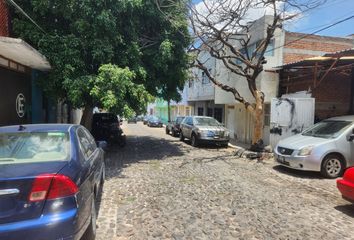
x: 13, y: 191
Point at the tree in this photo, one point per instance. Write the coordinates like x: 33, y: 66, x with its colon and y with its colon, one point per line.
x: 81, y: 37
x: 170, y: 64
x: 222, y: 29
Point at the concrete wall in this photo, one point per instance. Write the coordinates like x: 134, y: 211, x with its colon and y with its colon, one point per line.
x: 197, y: 90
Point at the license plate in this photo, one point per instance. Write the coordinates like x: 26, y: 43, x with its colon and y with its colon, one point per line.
x: 216, y: 137
x: 281, y: 159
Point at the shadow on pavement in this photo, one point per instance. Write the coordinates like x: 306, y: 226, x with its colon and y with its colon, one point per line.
x: 140, y: 148
x: 298, y: 173
x: 347, y: 209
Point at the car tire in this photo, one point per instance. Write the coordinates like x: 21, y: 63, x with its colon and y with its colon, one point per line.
x: 194, y: 140
x: 167, y: 131
x: 90, y: 233
x: 332, y: 166
x: 174, y: 133
x: 181, y: 137
x: 103, y: 174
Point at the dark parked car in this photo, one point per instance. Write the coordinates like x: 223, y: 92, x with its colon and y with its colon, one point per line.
x: 145, y: 119
x: 200, y: 129
x: 154, y: 122
x: 106, y: 127
x: 174, y: 126
x: 50, y: 176
x: 132, y: 120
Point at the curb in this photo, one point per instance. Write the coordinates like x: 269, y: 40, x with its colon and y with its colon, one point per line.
x: 244, y: 153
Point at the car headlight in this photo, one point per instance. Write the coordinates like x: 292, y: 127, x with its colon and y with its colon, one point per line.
x: 305, y: 151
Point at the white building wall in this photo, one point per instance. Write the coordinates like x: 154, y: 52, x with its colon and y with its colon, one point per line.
x: 197, y: 90
x: 267, y: 82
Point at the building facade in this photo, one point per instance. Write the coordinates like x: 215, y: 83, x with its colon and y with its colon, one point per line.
x: 284, y: 48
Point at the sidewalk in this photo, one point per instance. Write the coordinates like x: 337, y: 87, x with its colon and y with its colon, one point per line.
x: 242, y: 150
x: 233, y: 143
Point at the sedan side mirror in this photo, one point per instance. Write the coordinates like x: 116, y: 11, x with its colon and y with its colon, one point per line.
x: 350, y: 138
x: 102, y: 144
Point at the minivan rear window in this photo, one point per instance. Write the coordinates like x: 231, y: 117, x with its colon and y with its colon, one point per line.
x: 34, y: 147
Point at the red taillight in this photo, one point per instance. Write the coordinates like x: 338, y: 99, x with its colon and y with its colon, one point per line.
x: 52, y: 186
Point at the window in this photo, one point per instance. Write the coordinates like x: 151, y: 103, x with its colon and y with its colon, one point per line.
x: 93, y: 144
x: 210, y: 112
x: 188, y: 111
x: 266, y: 114
x: 189, y: 121
x: 24, y: 147
x: 252, y: 48
x: 218, y: 114
x: 270, y: 49
x: 205, y: 79
x: 190, y: 83
x: 200, y: 111
x: 85, y: 144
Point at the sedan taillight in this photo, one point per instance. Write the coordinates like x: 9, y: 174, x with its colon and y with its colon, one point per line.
x: 52, y: 186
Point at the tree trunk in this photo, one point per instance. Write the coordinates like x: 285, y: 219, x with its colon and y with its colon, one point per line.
x: 86, y: 119
x: 258, y: 121
x: 168, y: 110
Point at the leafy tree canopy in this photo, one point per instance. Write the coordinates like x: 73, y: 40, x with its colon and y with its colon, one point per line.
x: 108, y: 53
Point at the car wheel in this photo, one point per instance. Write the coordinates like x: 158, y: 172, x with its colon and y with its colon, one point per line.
x: 181, y: 137
x: 194, y: 140
x: 332, y: 166
x: 167, y: 131
x: 122, y: 141
x: 90, y: 233
x: 174, y: 133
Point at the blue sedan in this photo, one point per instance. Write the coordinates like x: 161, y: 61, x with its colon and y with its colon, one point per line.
x: 50, y: 176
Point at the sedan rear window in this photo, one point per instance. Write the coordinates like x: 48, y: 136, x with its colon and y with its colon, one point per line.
x: 34, y: 147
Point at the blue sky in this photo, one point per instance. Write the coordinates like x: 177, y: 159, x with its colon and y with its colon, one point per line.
x: 330, y: 12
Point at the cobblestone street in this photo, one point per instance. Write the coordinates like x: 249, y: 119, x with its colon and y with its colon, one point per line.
x: 160, y: 188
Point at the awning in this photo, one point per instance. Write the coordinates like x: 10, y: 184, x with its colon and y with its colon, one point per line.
x: 19, y: 51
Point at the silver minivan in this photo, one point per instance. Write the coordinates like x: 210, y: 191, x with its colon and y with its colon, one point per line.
x: 326, y: 147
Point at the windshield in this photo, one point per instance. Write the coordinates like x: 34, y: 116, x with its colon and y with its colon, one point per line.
x: 327, y: 129
x: 34, y: 147
x: 179, y: 120
x: 154, y: 119
x: 206, y: 122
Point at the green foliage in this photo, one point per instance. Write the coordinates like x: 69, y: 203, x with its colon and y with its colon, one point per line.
x: 108, y: 53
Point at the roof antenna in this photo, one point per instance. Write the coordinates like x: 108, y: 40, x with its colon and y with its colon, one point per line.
x: 21, y: 128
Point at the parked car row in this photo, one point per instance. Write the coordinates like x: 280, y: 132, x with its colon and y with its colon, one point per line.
x: 152, y: 121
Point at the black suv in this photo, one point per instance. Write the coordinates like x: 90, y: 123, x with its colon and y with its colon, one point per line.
x: 106, y: 127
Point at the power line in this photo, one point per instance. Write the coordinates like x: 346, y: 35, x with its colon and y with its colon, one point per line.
x: 12, y: 2
x: 325, y: 24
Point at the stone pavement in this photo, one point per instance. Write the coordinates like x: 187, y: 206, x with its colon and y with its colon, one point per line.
x: 160, y: 188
